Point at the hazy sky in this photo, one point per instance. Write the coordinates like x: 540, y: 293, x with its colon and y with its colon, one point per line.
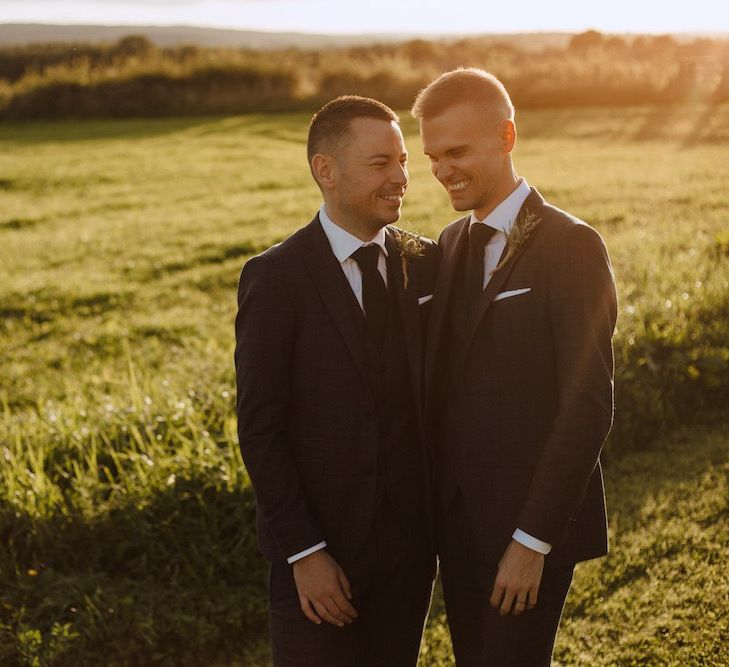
x: 437, y: 16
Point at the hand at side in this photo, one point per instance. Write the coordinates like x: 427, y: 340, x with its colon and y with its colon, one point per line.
x: 517, y: 580
x: 324, y: 591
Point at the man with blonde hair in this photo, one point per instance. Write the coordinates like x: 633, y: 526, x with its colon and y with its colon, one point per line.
x: 519, y: 373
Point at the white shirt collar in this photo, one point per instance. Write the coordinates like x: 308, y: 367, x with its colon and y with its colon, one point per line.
x: 343, y: 243
x: 503, y: 216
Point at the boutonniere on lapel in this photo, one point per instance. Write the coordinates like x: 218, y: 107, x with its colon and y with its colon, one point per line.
x: 520, y: 231
x: 410, y: 246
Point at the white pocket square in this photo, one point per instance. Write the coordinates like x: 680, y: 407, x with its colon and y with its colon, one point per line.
x: 424, y: 299
x: 512, y: 292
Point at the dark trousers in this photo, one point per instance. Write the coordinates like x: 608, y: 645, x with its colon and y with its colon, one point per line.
x: 392, y: 607
x: 481, y: 637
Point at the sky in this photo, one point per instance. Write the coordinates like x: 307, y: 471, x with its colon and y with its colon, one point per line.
x: 364, y: 16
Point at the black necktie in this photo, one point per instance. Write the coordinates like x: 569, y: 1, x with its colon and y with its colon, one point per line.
x: 478, y: 236
x: 374, y: 293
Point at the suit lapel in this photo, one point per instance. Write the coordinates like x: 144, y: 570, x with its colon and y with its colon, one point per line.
x: 408, y: 302
x: 452, y: 254
x: 337, y: 295
x: 532, y: 203
x: 490, y: 291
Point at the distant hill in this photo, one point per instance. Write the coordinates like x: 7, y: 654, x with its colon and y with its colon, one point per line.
x: 17, y: 34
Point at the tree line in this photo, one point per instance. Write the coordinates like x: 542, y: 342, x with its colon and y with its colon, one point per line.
x: 134, y: 77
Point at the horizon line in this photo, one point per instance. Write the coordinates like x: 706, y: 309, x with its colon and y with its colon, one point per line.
x: 386, y: 33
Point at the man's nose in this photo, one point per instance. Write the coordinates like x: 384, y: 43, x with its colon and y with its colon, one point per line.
x: 443, y: 170
x: 400, y: 175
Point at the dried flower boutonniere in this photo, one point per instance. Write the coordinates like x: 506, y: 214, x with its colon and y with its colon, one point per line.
x: 521, y: 229
x: 410, y: 246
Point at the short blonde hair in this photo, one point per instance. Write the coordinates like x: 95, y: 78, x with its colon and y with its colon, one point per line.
x: 465, y: 84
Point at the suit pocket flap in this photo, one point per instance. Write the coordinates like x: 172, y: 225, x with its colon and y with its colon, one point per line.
x: 511, y: 292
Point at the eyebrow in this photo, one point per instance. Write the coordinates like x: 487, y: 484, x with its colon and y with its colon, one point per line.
x: 384, y: 156
x: 453, y: 149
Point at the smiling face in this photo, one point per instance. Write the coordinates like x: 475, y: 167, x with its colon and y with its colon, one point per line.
x: 469, y: 149
x: 365, y: 179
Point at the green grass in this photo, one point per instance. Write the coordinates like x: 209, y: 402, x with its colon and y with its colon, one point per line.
x: 126, y: 532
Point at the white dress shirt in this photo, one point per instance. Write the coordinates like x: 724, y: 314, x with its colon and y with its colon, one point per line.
x: 343, y: 245
x: 502, y: 219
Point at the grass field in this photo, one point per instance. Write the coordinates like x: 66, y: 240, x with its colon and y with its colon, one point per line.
x: 125, y: 512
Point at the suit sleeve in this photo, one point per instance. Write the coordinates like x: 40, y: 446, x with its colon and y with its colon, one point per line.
x: 265, y: 335
x: 582, y: 307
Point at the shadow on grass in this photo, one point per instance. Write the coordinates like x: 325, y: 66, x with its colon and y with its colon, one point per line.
x: 682, y: 457
x: 672, y: 469
x: 655, y: 123
x: 173, y: 579
x: 47, y: 305
x: 205, y: 255
x: 16, y: 224
x: 688, y: 125
x: 286, y: 126
x: 33, y: 132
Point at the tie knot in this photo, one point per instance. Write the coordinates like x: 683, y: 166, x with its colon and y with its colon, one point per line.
x: 479, y: 235
x: 366, y: 257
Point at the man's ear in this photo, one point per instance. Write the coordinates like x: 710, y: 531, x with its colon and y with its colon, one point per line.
x: 322, y: 167
x: 507, y: 136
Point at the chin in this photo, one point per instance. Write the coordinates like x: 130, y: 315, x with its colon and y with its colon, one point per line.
x: 460, y: 206
x: 379, y: 223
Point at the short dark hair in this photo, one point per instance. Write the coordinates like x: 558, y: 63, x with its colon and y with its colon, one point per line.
x: 329, y: 125
x: 463, y: 85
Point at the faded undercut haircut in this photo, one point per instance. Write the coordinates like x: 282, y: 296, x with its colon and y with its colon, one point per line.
x: 459, y: 86
x: 330, y: 125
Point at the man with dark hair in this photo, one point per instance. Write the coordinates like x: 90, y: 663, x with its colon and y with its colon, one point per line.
x: 328, y: 367
x: 519, y: 372
x: 329, y: 126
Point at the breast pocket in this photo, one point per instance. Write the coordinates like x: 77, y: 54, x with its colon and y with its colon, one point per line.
x: 510, y: 324
x: 512, y: 294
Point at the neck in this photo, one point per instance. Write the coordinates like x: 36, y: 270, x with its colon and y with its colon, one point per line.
x: 362, y: 230
x: 501, y: 191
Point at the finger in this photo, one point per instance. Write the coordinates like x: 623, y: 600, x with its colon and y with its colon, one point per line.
x: 335, y: 604
x: 520, y: 604
x: 344, y: 606
x: 532, y: 598
x: 308, y: 610
x: 496, y: 596
x: 325, y: 614
x: 344, y: 583
x: 332, y: 607
x: 507, y: 603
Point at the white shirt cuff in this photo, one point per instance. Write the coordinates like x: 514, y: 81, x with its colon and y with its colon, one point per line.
x: 306, y: 552
x: 532, y: 542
